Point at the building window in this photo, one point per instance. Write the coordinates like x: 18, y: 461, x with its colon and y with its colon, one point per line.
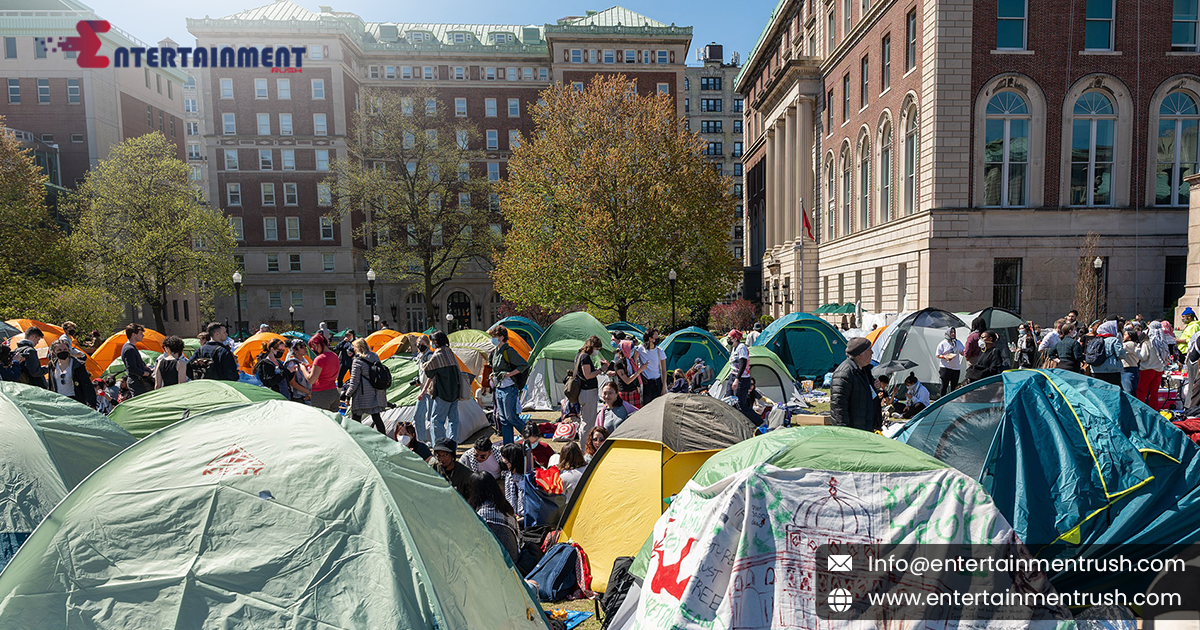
x: 714, y: 148
x: 885, y: 78
x: 1006, y: 283
x: 460, y: 73
x: 266, y: 160
x: 193, y: 128
x: 43, y: 91
x: 710, y: 126
x: 710, y: 83
x: 846, y: 98
x: 76, y: 138
x: 1098, y: 33
x: 710, y: 104
x: 847, y: 15
x: 273, y: 263
x: 911, y: 155
x: 328, y: 263
x: 231, y: 159
x: 431, y: 107
x: 287, y: 159
x: 297, y: 294
x: 270, y: 229
x: 330, y: 297
x: 687, y: 105
x: 226, y: 88
x: 737, y: 170
x: 319, y: 125
x: 197, y: 173
x: 292, y: 223
x: 514, y: 139
x: 268, y: 194
x: 1092, y: 150
x: 1010, y: 24
x: 275, y: 298
x: 864, y: 184
x: 324, y: 194
x: 493, y: 139
x: 264, y: 124
x: 847, y: 192
x: 514, y: 108
x: 862, y: 99
x: 1184, y: 22
x: 493, y: 171
x: 239, y: 233
x: 489, y: 107
x: 1006, y: 151
x: 193, y: 151
x: 427, y: 73
x: 322, y: 159
x: 228, y: 126
x: 737, y: 105
x: 10, y: 47
x: 910, y: 50
x: 73, y: 91
x: 14, y: 89
x: 233, y: 194
x: 831, y: 195
x: 829, y: 112
x: 290, y: 198
x: 663, y: 88
x: 283, y: 89
x: 737, y: 149
x: 1174, y: 281
x: 1177, y: 149
x: 576, y: 55
x: 885, y: 173
x: 737, y: 126
x: 831, y: 29
x: 260, y: 88
x: 316, y: 51
x: 189, y: 105
x: 460, y: 107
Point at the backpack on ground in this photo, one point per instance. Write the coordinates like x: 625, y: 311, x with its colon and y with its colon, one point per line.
x: 1097, y: 352
x: 562, y: 574
x: 378, y: 375
x: 619, y: 582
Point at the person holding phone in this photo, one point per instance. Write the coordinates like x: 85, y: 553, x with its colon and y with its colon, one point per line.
x: 949, y: 355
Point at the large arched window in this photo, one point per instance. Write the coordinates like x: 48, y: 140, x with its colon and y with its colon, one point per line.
x: 847, y: 191
x: 1092, y: 138
x: 1006, y: 151
x: 864, y: 182
x: 831, y: 188
x: 1178, y: 124
x: 911, y: 155
x: 885, y: 173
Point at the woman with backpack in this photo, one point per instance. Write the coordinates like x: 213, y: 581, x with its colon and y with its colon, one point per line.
x: 1104, y: 353
x: 364, y: 397
x: 508, y: 373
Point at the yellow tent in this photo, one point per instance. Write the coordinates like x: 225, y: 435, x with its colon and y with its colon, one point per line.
x: 648, y: 458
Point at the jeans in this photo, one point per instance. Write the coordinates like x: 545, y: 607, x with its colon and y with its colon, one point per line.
x: 1112, y: 378
x: 443, y: 419
x: 1129, y: 380
x: 508, y: 411
x: 421, y: 420
x: 651, y: 388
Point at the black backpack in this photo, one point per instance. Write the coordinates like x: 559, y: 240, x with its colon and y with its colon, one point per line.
x: 267, y: 373
x: 619, y: 583
x: 1096, y: 353
x: 378, y: 375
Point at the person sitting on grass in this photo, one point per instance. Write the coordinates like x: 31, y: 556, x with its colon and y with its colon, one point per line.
x: 482, y: 457
x: 535, y: 448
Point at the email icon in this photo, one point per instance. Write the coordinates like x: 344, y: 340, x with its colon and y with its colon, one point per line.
x: 840, y: 562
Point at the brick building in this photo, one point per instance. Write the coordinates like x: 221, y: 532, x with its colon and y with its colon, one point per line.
x: 959, y: 152
x: 268, y: 138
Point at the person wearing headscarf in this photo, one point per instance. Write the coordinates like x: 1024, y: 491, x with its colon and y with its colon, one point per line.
x: 949, y: 355
x: 1154, y: 355
x: 990, y: 361
x: 627, y: 374
x: 1109, y: 367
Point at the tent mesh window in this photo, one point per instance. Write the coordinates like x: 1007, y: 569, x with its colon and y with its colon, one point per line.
x: 960, y: 431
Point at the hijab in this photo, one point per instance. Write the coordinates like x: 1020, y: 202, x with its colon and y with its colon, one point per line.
x: 1158, y: 341
x: 1107, y: 329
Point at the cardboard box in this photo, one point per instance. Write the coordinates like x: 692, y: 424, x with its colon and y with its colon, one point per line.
x: 803, y: 419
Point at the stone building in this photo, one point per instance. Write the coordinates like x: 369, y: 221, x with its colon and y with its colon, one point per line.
x: 268, y: 138
x: 955, y: 154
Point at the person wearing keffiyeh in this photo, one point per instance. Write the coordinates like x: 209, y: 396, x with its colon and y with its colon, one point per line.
x: 628, y: 374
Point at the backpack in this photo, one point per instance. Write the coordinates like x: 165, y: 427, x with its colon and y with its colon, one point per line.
x: 556, y: 574
x: 619, y: 583
x: 267, y: 373
x: 199, y: 367
x: 1097, y: 352
x: 378, y: 375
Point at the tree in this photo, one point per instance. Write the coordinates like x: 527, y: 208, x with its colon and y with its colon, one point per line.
x: 25, y: 220
x: 142, y: 231
x: 1086, y: 297
x: 608, y: 197
x: 414, y: 174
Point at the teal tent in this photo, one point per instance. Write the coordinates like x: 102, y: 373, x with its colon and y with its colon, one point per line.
x: 684, y: 346
x: 529, y: 330
x: 271, y: 515
x: 154, y: 410
x: 808, y: 345
x: 295, y: 334
x: 48, y: 444
x: 630, y: 329
x: 1070, y: 461
x: 578, y: 327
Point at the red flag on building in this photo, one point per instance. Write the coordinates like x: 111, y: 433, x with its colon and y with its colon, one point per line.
x: 807, y: 225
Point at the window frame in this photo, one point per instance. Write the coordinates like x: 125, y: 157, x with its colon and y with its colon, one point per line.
x: 322, y: 128
x: 1178, y: 121
x: 292, y: 225
x: 885, y: 71
x: 318, y: 89
x: 233, y: 194
x: 910, y: 41
x: 270, y: 229
x: 1024, y: 20
x: 1015, y: 305
x: 1092, y: 164
x: 1006, y: 161
x: 1192, y: 22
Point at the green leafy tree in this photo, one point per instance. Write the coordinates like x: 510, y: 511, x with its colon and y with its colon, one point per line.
x: 426, y: 200
x: 141, y: 230
x: 32, y: 247
x: 608, y: 197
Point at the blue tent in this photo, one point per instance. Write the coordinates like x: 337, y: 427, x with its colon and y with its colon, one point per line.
x: 529, y: 330
x: 808, y: 345
x: 684, y: 346
x: 1070, y: 461
x: 630, y: 329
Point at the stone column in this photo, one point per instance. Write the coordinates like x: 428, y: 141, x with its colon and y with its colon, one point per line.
x: 805, y: 277
x: 1191, y: 294
x: 769, y: 215
x: 780, y: 182
x: 789, y: 190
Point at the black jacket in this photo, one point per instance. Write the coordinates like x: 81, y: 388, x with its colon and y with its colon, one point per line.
x: 224, y: 365
x: 1069, y: 354
x: 851, y: 398
x: 32, y: 371
x: 990, y: 363
x: 85, y: 392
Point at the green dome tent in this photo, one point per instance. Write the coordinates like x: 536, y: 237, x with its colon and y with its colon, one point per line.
x: 190, y: 346
x: 527, y: 328
x: 808, y: 345
x: 48, y: 444
x: 630, y: 329
x: 271, y: 515
x: 404, y: 369
x: 770, y: 376
x: 116, y: 369
x: 154, y: 410
x: 684, y: 346
x: 577, y: 326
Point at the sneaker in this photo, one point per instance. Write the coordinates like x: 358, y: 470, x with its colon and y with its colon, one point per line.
x: 896, y: 415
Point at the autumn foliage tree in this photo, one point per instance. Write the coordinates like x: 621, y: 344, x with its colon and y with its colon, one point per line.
x: 411, y: 171
x: 609, y: 195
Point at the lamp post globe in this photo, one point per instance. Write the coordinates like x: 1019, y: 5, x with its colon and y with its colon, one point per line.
x: 371, y: 284
x: 292, y: 316
x: 1097, y: 264
x: 449, y: 323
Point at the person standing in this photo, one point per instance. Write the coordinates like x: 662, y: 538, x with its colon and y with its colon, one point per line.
x: 589, y: 387
x: 322, y: 374
x: 654, y: 360
x: 268, y: 369
x: 1052, y: 338
x: 1068, y: 354
x: 364, y: 398
x: 139, y: 376
x: 214, y: 359
x: 1105, y: 352
x: 443, y: 386
x: 990, y: 361
x: 507, y: 369
x: 299, y: 386
x: 739, y: 361
x: 68, y: 376
x: 1154, y: 355
x: 1129, y: 363
x: 754, y: 333
x: 172, y: 367
x: 972, y: 348
x: 68, y: 336
x: 345, y: 354
x: 1187, y: 329
x: 852, y: 396
x: 424, y: 401
x: 949, y: 355
x: 32, y: 372
x: 627, y: 374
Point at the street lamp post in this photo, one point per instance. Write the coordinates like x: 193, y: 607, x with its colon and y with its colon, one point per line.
x: 292, y: 315
x: 1097, y: 264
x: 371, y: 283
x: 671, y: 278
x: 449, y: 323
x: 237, y: 289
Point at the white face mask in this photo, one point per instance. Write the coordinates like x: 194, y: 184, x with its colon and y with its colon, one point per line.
x: 982, y: 344
x: 405, y: 440
x: 594, y: 353
x: 533, y: 441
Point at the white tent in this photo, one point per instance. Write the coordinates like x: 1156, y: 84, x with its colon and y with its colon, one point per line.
x: 916, y: 337
x: 471, y: 418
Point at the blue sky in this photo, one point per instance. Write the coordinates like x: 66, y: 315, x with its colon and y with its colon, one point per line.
x: 734, y: 24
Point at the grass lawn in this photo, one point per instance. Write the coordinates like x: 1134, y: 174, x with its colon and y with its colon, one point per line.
x: 586, y: 605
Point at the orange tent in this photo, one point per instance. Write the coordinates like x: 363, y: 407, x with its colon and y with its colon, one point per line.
x: 405, y: 343
x: 47, y: 329
x: 380, y: 338
x: 50, y: 333
x: 874, y: 334
x: 248, y: 351
x: 110, y: 350
x: 519, y: 344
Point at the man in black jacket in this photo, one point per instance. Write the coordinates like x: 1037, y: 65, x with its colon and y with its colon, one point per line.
x: 345, y: 354
x: 222, y: 365
x: 26, y: 355
x: 852, y: 397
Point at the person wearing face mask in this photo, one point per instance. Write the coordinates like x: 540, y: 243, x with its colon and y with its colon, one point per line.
x: 408, y: 438
x: 364, y: 398
x: 68, y: 376
x: 172, y: 367
x: 655, y: 362
x: 68, y: 337
x: 443, y: 387
x: 269, y: 368
x: 424, y: 402
x: 589, y: 390
x: 990, y: 361
x: 972, y: 348
x: 508, y: 373
x: 1067, y: 354
x: 916, y: 398
x: 537, y: 451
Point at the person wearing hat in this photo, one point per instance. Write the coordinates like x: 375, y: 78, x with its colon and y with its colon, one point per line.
x: 739, y: 359
x: 262, y: 328
x: 1189, y: 327
x: 448, y: 467
x: 753, y: 334
x: 853, y: 401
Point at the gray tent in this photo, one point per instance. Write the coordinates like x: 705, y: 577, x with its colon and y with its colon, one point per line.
x: 686, y: 422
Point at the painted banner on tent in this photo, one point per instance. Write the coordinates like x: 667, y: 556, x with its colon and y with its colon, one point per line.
x: 743, y: 553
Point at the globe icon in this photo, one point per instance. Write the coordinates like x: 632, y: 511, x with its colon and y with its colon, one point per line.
x: 839, y: 600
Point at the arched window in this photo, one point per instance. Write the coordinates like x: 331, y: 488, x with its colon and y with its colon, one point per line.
x: 832, y: 196
x: 1092, y: 135
x: 885, y: 173
x: 847, y: 191
x: 459, y: 305
x: 864, y: 183
x: 1006, y: 151
x: 1178, y: 123
x: 911, y: 155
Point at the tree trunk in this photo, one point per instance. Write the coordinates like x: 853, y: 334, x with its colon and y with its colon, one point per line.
x: 623, y: 312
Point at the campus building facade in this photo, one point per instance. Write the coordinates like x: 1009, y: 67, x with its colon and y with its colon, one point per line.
x: 269, y: 138
x: 956, y: 154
